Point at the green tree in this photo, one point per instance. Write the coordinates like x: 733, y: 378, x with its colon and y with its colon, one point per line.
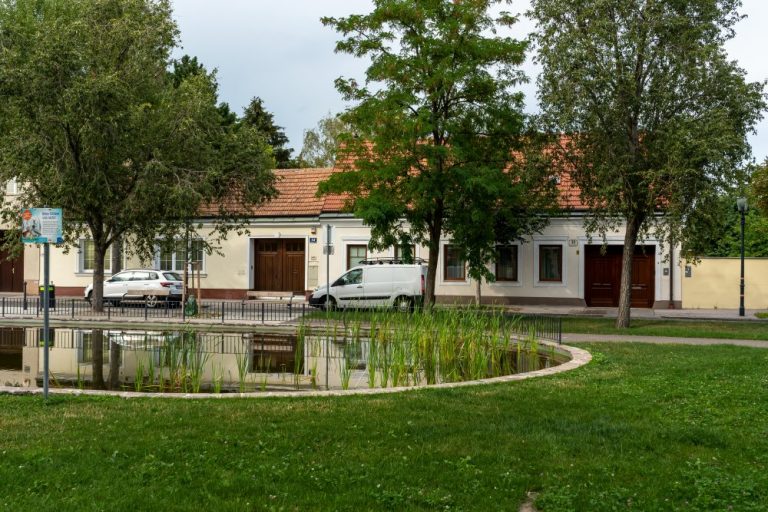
x: 91, y: 122
x: 256, y: 116
x: 186, y: 67
x: 437, y: 124
x: 322, y: 143
x: 657, y: 114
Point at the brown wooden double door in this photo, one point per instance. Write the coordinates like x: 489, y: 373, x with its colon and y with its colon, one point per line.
x: 11, y: 271
x: 602, y: 276
x: 279, y: 264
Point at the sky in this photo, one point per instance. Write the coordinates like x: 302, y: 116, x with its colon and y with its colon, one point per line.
x: 280, y: 52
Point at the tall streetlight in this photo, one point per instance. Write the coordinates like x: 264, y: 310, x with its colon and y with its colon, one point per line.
x: 741, y: 204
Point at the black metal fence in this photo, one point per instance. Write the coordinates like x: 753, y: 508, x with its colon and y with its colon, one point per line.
x: 545, y: 327
x: 212, y: 310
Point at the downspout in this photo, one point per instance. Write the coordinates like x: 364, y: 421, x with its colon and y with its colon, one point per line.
x: 671, y: 275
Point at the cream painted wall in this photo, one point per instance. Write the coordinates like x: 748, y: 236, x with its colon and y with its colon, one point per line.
x: 714, y: 283
x: 232, y: 267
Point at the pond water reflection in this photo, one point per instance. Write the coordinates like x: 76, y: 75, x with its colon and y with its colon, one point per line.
x: 188, y: 361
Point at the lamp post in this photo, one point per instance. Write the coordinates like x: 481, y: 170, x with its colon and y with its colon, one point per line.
x: 741, y: 204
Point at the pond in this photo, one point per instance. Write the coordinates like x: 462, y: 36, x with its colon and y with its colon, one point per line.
x: 337, y: 356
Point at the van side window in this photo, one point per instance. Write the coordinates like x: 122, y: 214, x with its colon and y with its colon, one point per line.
x: 352, y: 277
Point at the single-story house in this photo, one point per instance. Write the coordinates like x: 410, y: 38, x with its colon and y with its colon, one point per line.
x: 284, y: 252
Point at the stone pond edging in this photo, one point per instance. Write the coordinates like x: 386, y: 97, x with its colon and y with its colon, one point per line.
x: 579, y: 357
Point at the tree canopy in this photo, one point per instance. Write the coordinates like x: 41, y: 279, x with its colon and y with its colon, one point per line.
x: 92, y: 121
x: 656, y: 114
x: 437, y: 122
x: 322, y: 142
x: 256, y: 116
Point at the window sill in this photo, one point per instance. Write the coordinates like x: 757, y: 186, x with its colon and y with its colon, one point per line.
x: 549, y: 284
x: 454, y: 283
x: 506, y: 284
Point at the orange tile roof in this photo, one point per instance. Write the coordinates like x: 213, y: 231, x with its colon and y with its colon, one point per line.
x: 296, y: 196
x: 297, y: 193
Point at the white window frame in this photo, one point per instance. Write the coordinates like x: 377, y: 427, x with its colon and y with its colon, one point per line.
x: 520, y: 267
x: 156, y: 258
x: 561, y: 241
x: 12, y: 187
x: 441, y: 268
x: 81, y: 258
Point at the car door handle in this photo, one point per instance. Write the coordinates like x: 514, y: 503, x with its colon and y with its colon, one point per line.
x: 359, y: 286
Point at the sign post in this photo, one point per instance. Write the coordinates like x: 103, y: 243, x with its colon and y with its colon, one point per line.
x: 43, y: 226
x: 328, y: 251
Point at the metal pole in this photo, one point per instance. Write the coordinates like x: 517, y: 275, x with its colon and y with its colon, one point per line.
x: 741, y: 286
x: 46, y: 322
x: 327, y: 296
x: 671, y: 304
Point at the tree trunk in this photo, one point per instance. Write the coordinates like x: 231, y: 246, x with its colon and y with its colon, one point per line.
x: 97, y: 295
x: 114, y: 365
x: 434, y: 253
x: 478, y: 296
x: 97, y: 365
x: 117, y: 255
x: 625, y: 292
x: 435, y: 230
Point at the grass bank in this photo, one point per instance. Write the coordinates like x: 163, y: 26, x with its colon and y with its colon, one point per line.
x: 643, y: 427
x: 744, y: 330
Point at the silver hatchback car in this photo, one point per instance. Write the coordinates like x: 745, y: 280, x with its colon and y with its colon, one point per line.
x: 149, y: 285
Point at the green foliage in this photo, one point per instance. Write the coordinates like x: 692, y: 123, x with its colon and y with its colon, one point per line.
x: 256, y: 116
x: 321, y: 143
x: 692, y: 418
x: 437, y: 123
x: 92, y: 121
x: 656, y: 112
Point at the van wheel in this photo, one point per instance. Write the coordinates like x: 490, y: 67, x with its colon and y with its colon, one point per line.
x: 404, y: 304
x: 330, y: 303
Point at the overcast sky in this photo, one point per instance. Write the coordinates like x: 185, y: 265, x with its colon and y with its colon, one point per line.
x: 279, y: 51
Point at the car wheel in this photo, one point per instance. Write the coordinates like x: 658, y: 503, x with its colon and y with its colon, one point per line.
x: 89, y: 297
x: 404, y: 304
x: 330, y: 303
x: 150, y: 301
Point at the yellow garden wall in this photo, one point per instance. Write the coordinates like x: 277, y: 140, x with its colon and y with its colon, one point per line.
x: 714, y: 283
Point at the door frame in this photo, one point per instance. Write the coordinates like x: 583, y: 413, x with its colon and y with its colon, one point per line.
x: 17, y: 267
x: 279, y: 236
x: 657, y: 264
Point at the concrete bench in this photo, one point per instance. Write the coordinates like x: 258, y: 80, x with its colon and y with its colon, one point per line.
x: 277, y: 297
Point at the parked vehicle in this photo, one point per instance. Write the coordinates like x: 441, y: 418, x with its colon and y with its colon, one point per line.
x: 376, y: 283
x: 151, y: 286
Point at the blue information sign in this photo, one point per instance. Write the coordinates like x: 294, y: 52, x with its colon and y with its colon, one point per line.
x: 42, y: 226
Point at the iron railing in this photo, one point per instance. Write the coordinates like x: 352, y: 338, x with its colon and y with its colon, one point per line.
x: 546, y: 327
x: 215, y: 311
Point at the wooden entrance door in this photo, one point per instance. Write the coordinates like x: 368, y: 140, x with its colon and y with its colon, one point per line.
x: 11, y: 271
x: 602, y: 276
x: 279, y: 265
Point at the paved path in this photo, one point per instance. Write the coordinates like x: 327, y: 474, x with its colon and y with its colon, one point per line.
x: 661, y: 340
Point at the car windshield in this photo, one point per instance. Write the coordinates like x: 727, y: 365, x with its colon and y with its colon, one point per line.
x: 172, y: 276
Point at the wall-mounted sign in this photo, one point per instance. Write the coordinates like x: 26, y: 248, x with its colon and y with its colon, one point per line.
x: 688, y: 271
x: 573, y: 242
x: 42, y: 226
x: 313, y: 239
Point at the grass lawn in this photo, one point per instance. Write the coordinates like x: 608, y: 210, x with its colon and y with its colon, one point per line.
x: 747, y: 330
x: 751, y: 330
x: 643, y: 427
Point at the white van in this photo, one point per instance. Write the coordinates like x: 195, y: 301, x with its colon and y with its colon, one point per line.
x: 376, y: 283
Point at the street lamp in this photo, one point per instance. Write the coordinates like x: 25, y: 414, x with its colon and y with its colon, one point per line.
x: 741, y: 204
